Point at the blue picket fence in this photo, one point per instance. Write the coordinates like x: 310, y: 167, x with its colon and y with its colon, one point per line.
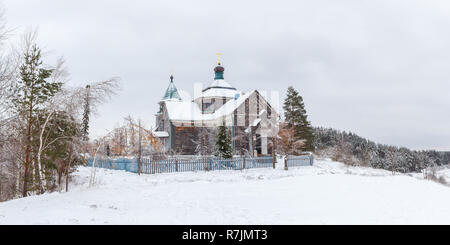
x: 151, y: 166
x: 204, y: 164
x: 129, y: 165
x: 302, y: 160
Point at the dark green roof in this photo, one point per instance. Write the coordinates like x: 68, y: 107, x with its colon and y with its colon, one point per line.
x: 172, y: 92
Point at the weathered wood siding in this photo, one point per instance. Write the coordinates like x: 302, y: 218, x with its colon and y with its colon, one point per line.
x: 255, y: 109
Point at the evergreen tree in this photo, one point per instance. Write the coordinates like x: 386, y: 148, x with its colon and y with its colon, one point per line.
x: 108, y: 150
x: 297, y: 119
x: 86, y: 112
x: 223, y: 143
x: 32, y: 90
x: 62, y: 131
x: 334, y: 144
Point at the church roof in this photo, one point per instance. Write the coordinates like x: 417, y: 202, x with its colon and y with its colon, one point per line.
x: 220, y: 83
x: 219, y: 87
x: 172, y: 92
x: 189, y: 111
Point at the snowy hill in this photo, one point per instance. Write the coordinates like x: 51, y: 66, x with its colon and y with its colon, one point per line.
x: 327, y: 193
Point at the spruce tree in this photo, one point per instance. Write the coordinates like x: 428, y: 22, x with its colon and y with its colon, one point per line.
x: 32, y: 90
x: 297, y: 119
x: 223, y: 143
x: 86, y: 112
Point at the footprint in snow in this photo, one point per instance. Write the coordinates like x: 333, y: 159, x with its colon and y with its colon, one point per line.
x: 94, y: 206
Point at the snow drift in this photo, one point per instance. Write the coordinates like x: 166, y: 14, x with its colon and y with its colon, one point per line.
x: 326, y: 193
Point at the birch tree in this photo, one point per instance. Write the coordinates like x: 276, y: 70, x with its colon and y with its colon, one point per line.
x: 70, y: 101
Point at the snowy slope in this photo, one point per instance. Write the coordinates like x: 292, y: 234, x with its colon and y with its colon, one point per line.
x: 327, y: 193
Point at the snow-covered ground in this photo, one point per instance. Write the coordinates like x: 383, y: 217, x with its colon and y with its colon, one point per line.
x: 327, y: 193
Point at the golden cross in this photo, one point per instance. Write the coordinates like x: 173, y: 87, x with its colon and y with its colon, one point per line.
x: 218, y: 56
x: 171, y: 72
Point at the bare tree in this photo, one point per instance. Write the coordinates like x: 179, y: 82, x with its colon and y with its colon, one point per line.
x: 70, y: 100
x: 11, y: 155
x: 101, y: 92
x: 205, y: 142
x: 8, y: 66
x: 286, y: 143
x: 99, y: 143
x: 3, y: 31
x: 393, y: 158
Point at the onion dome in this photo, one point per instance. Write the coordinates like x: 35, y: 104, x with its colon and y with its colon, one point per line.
x: 219, y: 72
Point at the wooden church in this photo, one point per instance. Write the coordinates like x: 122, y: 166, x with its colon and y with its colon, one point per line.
x: 182, y: 125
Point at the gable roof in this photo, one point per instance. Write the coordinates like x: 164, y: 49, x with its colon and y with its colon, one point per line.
x: 183, y: 111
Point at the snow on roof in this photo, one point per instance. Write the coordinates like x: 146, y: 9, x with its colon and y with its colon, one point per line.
x: 161, y: 134
x: 218, y: 92
x: 183, y: 110
x: 262, y: 112
x: 254, y: 124
x: 219, y: 88
x: 220, y: 83
x: 189, y: 111
x: 231, y: 105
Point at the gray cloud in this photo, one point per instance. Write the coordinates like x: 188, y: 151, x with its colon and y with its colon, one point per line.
x: 377, y: 68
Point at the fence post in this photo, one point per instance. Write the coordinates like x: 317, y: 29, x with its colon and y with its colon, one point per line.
x: 244, y: 163
x: 286, y: 162
x: 210, y: 164
x: 176, y: 165
x: 274, y: 158
x: 153, y: 166
x: 144, y: 166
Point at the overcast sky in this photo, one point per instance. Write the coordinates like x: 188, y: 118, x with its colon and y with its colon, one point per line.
x: 380, y: 69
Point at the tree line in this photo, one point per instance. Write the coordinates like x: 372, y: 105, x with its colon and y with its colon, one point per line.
x: 355, y: 150
x: 296, y: 135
